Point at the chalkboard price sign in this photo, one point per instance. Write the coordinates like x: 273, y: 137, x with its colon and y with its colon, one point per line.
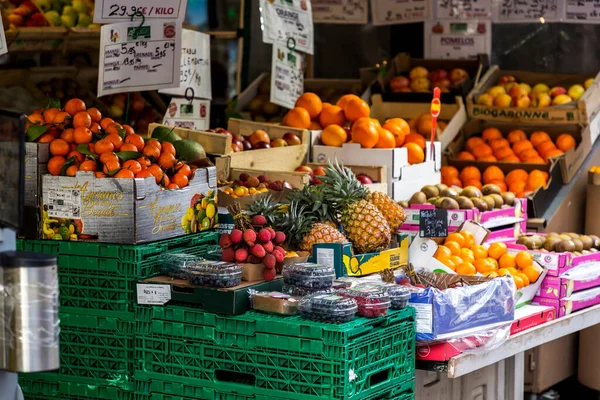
x: 433, y: 223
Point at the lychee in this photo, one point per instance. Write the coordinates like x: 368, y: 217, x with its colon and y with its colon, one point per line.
x: 264, y: 235
x: 259, y: 220
x: 249, y: 237
x: 258, y: 250
x: 279, y: 248
x: 225, y: 241
x: 236, y: 236
x: 241, y: 255
x: 271, y: 232
x: 279, y: 237
x: 268, y: 246
x: 279, y: 256
x: 228, y: 255
x: 252, y: 259
x: 269, y: 274
x: 269, y: 261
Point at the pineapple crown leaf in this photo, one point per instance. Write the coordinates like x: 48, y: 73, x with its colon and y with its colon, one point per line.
x: 295, y: 223
x: 341, y: 186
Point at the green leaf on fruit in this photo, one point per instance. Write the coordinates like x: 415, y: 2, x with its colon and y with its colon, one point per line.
x: 113, y: 172
x: 122, y: 132
x: 84, y: 149
x: 128, y: 155
x: 67, y: 164
x: 35, y: 131
x: 53, y: 103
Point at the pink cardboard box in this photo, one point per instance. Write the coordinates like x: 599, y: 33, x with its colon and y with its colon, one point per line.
x: 530, y: 316
x: 411, y: 230
x: 455, y: 217
x: 504, y: 216
x: 586, y: 276
x: 439, y: 351
x: 577, y: 301
x: 507, y: 234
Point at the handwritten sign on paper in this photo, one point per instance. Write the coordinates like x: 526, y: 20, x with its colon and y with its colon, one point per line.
x: 463, y: 9
x: 527, y: 11
x: 287, y: 76
x: 582, y: 11
x: 182, y: 113
x: 433, y: 223
x: 288, y: 22
x: 457, y: 40
x: 106, y: 11
x: 389, y: 12
x: 137, y: 58
x: 340, y: 11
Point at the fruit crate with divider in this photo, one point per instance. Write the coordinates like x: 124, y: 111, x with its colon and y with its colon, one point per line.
x: 51, y: 386
x: 581, y: 110
x: 286, y: 357
x: 99, y: 279
x: 36, y: 165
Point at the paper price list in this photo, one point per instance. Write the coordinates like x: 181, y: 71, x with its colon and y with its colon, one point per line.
x: 120, y: 10
x: 528, y: 10
x: 583, y: 11
x: 464, y: 9
x: 387, y: 12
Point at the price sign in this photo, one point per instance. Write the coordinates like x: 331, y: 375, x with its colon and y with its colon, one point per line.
x: 189, y: 115
x: 106, y: 11
x: 287, y: 76
x: 3, y: 46
x: 506, y: 11
x: 457, y: 40
x: 582, y: 11
x: 136, y: 58
x: 289, y: 22
x: 195, y: 66
x: 153, y: 294
x: 433, y: 223
x: 389, y: 12
x: 463, y: 9
x: 340, y: 11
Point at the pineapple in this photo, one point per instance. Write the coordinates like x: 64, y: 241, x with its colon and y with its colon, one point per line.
x: 266, y: 207
x: 363, y: 223
x: 312, y: 198
x: 393, y: 213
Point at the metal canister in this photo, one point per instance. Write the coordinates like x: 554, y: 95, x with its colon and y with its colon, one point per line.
x: 29, y: 325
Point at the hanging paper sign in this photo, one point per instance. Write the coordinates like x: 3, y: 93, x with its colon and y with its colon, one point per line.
x: 194, y: 76
x: 107, y: 11
x: 582, y: 11
x: 287, y: 76
x: 189, y: 115
x: 340, y: 11
x: 457, y: 40
x: 136, y: 57
x: 506, y: 11
x: 3, y: 46
x: 464, y: 9
x: 389, y: 12
x: 289, y: 22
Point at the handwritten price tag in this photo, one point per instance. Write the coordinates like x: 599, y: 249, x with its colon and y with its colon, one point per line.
x: 583, y: 11
x: 153, y: 294
x: 463, y: 9
x: 106, y: 11
x: 340, y: 11
x: 433, y: 223
x: 136, y: 58
x: 457, y: 40
x: 195, y: 66
x: 287, y: 76
x: 288, y: 22
x: 526, y: 11
x: 183, y: 114
x: 389, y: 12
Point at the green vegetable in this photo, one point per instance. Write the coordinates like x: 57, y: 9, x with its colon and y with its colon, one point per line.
x: 63, y: 231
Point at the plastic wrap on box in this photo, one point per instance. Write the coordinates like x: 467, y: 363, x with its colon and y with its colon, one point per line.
x: 176, y: 265
x: 274, y: 302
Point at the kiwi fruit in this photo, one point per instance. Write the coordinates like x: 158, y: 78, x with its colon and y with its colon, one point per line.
x: 552, y: 234
x: 438, y: 202
x: 432, y: 200
x: 576, y: 253
x: 587, y: 242
x: 497, y: 199
x: 490, y: 202
x: 550, y: 243
x: 430, y: 191
x: 441, y: 186
x: 521, y: 240
x: 464, y: 203
x: 450, y: 192
x: 538, y: 240
x: 573, y: 235
x: 449, y: 204
x: 530, y: 243
x: 509, y: 198
x: 578, y: 244
x: 471, y: 191
x: 479, y: 203
x: 403, y: 204
x: 595, y: 241
x: 586, y: 252
x: 593, y: 250
x: 418, y: 198
x: 491, y: 189
x: 564, y: 237
x: 564, y: 245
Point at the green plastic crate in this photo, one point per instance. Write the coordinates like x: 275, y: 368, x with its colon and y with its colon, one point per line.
x: 49, y: 386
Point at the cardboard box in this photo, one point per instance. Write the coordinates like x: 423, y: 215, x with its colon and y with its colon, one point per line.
x: 412, y: 231
x: 568, y: 305
x: 508, y: 234
x: 577, y: 279
x: 580, y: 111
x: 530, y: 316
x: 592, y: 216
x: 588, y: 372
x: 129, y: 211
x: 36, y: 165
x: 550, y: 363
x: 252, y: 272
x: 345, y: 263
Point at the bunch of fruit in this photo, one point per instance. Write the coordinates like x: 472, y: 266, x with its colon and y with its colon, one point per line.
x: 68, y: 13
x: 490, y: 197
x: 82, y: 140
x: 315, y: 172
x: 510, y: 93
x: 421, y: 80
x: 248, y: 185
x: 141, y: 114
x: 518, y: 181
x: 516, y: 147
x: 202, y: 213
x: 259, y: 139
x: 562, y: 242
x: 24, y: 14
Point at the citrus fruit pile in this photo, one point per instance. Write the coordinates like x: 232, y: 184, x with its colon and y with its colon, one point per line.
x: 82, y: 140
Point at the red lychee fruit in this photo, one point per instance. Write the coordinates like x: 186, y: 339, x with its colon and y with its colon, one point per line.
x: 250, y: 237
x: 279, y: 237
x: 268, y: 246
x: 259, y: 220
x: 252, y: 259
x: 271, y: 232
x: 225, y: 241
x: 241, y: 255
x: 279, y: 248
x: 258, y: 250
x: 269, y: 261
x: 279, y: 256
x: 228, y: 255
x: 269, y: 274
x: 264, y: 235
x: 236, y: 236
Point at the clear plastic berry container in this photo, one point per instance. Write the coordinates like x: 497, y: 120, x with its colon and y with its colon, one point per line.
x: 218, y: 274
x: 309, y: 275
x: 293, y: 290
x: 328, y: 307
x: 176, y: 265
x: 399, y: 295
x: 372, y: 300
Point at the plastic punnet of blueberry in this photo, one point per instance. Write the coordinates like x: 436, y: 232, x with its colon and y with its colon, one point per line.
x: 328, y: 307
x: 302, y: 291
x: 215, y: 273
x: 309, y: 275
x: 399, y: 295
x: 176, y: 265
x: 372, y: 301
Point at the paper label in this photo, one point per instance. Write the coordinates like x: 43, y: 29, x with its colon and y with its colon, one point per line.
x: 424, y: 317
x: 64, y: 203
x: 388, y: 12
x: 326, y: 257
x: 195, y: 67
x: 582, y: 11
x: 457, y: 40
x: 288, y: 22
x: 151, y: 294
x: 134, y: 58
x: 527, y: 11
x: 183, y: 114
x: 464, y: 9
x: 3, y: 46
x: 287, y: 76
x: 106, y: 11
x: 340, y: 11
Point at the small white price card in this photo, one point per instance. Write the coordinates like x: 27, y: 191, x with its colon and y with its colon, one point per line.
x: 3, y: 46
x: 136, y: 57
x: 287, y: 76
x: 506, y: 11
x: 463, y: 9
x: 152, y: 294
x: 189, y: 115
x: 194, y: 76
x: 457, y: 39
x: 288, y: 22
x: 340, y: 11
x: 389, y: 12
x: 582, y: 11
x: 106, y: 11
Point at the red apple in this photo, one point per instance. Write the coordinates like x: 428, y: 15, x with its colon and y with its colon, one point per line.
x: 305, y: 168
x: 292, y: 139
x: 517, y: 91
x: 557, y: 90
x: 458, y: 75
x: 261, y: 145
x: 237, y: 136
x: 319, y: 171
x: 438, y: 75
x: 506, y: 79
x: 278, y: 143
x: 263, y: 179
x: 399, y: 82
x: 237, y: 147
x: 364, y: 179
x: 247, y: 145
x: 223, y: 132
x: 442, y: 84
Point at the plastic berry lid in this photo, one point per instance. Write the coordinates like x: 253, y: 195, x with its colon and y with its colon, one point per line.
x: 308, y: 270
x: 396, y: 292
x: 368, y: 292
x: 328, y: 303
x: 220, y: 268
x: 304, y: 291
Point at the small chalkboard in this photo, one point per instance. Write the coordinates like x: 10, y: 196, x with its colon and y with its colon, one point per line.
x: 433, y: 223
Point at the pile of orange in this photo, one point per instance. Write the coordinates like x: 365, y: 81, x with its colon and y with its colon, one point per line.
x: 516, y: 147
x: 518, y: 181
x: 82, y: 140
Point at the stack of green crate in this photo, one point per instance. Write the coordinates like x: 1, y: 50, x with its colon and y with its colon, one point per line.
x: 183, y: 353
x: 97, y: 303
